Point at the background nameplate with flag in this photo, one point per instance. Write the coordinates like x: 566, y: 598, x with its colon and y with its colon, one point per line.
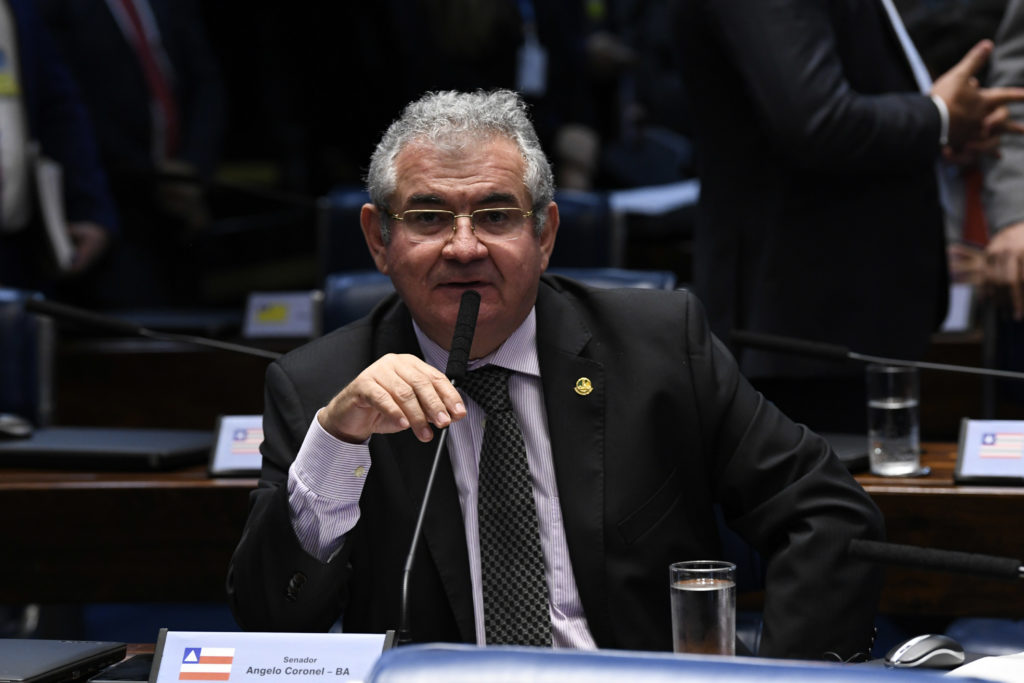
x: 991, y: 451
x: 236, y: 452
x: 237, y: 657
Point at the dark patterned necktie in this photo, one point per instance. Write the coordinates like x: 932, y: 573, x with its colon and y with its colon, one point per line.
x: 512, y: 564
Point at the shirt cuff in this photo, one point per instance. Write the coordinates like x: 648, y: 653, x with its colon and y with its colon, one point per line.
x: 940, y: 104
x: 324, y: 486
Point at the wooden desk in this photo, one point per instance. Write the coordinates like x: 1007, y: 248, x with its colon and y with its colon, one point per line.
x: 83, y: 537
x: 934, y: 512
x: 118, y: 537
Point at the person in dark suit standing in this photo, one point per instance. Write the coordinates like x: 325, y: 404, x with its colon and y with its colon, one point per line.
x: 636, y: 422
x: 820, y: 214
x: 153, y: 89
x: 42, y: 105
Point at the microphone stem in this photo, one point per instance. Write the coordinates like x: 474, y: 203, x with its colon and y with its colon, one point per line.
x: 403, y: 636
x: 212, y: 343
x: 925, y: 365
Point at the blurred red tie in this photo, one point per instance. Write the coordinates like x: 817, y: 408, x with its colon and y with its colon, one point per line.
x: 159, y: 86
x: 975, y: 223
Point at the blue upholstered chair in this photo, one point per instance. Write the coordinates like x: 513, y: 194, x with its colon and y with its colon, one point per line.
x: 352, y: 294
x: 339, y: 239
x: 470, y: 664
x: 26, y: 360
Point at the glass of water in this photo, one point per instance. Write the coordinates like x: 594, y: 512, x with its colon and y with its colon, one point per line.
x: 894, y: 441
x: 703, y: 596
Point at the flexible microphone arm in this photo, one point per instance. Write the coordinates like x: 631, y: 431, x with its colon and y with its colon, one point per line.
x: 104, y: 322
x: 932, y: 558
x: 458, y: 359
x: 802, y: 347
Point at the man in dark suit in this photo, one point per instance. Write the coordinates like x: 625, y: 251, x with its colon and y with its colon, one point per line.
x: 636, y: 422
x: 152, y: 86
x: 56, y: 119
x: 820, y: 214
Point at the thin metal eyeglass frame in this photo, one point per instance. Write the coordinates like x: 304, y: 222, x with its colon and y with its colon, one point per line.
x: 455, y: 223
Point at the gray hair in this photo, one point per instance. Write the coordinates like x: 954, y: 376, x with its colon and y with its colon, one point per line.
x: 449, y: 120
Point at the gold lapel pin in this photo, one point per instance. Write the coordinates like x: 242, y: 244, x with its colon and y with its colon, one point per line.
x: 583, y: 386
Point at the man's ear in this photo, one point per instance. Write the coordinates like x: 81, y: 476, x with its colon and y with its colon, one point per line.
x: 546, y: 239
x: 370, y: 221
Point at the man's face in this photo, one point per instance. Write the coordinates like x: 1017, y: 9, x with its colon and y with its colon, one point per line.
x: 431, y: 277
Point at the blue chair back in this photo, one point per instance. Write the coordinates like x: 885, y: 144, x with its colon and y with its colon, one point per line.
x: 340, y: 243
x: 586, y: 231
x: 26, y: 359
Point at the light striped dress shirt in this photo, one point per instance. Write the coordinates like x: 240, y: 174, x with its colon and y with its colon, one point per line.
x: 325, y: 482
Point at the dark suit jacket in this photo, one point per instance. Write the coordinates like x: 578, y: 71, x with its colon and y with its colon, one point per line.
x: 819, y: 214
x: 114, y: 86
x: 58, y: 121
x: 670, y: 428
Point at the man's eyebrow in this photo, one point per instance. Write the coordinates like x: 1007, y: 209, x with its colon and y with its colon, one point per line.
x: 426, y: 199
x: 503, y: 197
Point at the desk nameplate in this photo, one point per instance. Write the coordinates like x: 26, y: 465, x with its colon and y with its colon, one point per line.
x: 256, y: 657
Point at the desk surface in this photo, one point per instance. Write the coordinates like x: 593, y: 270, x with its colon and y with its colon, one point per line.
x: 934, y: 512
x: 117, y: 536
x: 168, y: 536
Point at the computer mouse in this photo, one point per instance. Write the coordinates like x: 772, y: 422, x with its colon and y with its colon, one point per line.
x: 931, y: 650
x: 14, y: 427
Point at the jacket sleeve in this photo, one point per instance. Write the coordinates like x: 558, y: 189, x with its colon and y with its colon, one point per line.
x: 58, y: 120
x: 787, y: 494
x: 1004, y: 176
x: 798, y: 71
x: 273, y: 584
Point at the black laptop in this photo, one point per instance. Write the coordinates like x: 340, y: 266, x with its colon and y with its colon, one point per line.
x: 107, y: 448
x: 24, y: 660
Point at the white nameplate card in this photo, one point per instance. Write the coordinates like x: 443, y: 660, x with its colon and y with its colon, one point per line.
x: 237, y: 451
x: 991, y: 452
x: 283, y: 314
x: 251, y: 657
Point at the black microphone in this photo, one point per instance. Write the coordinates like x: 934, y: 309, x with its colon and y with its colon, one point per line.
x: 458, y: 359
x: 90, y: 319
x: 803, y: 347
x: 940, y: 560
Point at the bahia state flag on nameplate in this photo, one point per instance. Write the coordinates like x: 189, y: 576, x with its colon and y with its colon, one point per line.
x: 1001, y: 445
x: 206, y: 664
x: 246, y: 440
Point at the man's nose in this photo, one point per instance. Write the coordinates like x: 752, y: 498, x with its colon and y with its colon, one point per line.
x: 463, y: 242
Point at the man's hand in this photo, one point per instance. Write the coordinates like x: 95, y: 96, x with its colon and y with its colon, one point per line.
x: 184, y: 199
x: 397, y: 392
x: 90, y: 242
x: 976, y: 115
x: 966, y: 264
x: 1004, y: 268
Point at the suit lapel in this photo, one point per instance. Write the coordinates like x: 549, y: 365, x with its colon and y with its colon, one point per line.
x: 443, y: 524
x: 576, y: 422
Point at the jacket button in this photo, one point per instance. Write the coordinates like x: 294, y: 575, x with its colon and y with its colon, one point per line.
x: 295, y: 585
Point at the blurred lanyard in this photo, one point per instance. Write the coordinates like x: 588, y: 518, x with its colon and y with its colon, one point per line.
x: 921, y: 75
x: 532, y: 58
x: 135, y: 18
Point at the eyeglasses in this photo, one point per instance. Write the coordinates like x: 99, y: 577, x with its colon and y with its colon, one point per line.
x: 489, y: 225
